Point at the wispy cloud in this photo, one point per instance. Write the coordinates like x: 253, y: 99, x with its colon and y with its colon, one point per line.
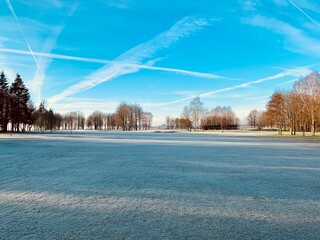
x: 56, y: 3
x: 184, y: 93
x: 3, y: 66
x: 281, y: 2
x: 296, y: 40
x: 295, y: 72
x: 287, y: 82
x: 66, y: 8
x: 249, y: 5
x: 122, y: 4
x: 39, y: 77
x: 136, y: 56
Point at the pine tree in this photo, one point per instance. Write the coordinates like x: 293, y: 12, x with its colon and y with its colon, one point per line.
x: 4, y: 102
x: 30, y: 116
x: 41, y: 116
x: 19, y: 103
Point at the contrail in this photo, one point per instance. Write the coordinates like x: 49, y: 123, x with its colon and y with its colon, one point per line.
x: 94, y: 60
x: 24, y: 36
x: 135, y: 56
x: 289, y: 72
x: 297, y: 7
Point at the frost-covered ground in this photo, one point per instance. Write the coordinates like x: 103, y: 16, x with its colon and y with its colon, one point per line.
x: 114, y: 185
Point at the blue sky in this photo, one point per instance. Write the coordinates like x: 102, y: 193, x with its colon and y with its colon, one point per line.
x: 88, y: 55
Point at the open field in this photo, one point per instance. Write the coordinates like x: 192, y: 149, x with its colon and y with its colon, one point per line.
x: 116, y: 185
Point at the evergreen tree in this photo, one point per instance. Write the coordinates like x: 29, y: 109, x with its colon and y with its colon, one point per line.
x: 40, y: 116
x: 30, y: 116
x: 19, y: 103
x: 4, y: 102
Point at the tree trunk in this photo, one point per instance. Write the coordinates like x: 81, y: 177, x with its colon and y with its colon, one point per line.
x: 313, y: 126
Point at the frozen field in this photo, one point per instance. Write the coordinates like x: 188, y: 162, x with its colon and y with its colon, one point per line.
x: 116, y: 185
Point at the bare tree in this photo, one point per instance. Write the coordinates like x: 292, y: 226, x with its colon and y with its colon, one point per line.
x: 147, y: 120
x: 183, y: 123
x: 95, y: 120
x: 70, y: 120
x: 291, y: 110
x: 276, y: 110
x: 81, y: 120
x: 252, y: 118
x: 122, y: 116
x: 308, y: 90
x: 111, y: 122
x: 195, y: 112
x: 221, y: 118
x: 168, y: 121
x: 58, y: 119
x: 138, y: 114
x: 186, y: 113
x: 262, y: 120
x: 171, y: 122
x: 257, y: 119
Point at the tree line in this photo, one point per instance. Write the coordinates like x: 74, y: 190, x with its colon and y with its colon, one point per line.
x: 196, y: 117
x: 294, y: 110
x: 18, y: 113
x: 127, y: 117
